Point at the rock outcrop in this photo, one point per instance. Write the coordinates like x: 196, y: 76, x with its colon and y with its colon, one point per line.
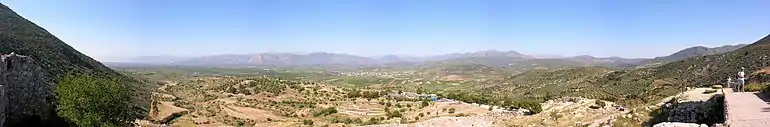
x: 3, y: 103
x: 673, y: 124
x: 24, y: 93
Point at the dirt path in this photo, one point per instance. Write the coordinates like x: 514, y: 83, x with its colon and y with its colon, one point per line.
x: 747, y: 109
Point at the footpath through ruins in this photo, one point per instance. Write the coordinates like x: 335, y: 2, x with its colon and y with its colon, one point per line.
x: 746, y: 109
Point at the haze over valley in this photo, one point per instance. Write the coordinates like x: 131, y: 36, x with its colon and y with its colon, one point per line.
x: 394, y: 63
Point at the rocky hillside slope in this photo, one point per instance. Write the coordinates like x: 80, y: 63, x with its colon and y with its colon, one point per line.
x: 52, y: 58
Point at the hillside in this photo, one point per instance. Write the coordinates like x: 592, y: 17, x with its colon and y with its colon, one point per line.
x: 55, y: 58
x: 552, y: 83
x: 636, y: 86
x: 713, y: 69
x: 695, y: 52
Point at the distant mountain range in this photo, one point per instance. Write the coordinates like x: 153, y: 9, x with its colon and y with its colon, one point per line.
x: 493, y: 58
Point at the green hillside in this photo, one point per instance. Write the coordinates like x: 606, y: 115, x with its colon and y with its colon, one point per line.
x: 635, y: 86
x: 56, y: 58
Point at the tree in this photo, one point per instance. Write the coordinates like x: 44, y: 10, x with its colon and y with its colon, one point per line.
x: 87, y: 100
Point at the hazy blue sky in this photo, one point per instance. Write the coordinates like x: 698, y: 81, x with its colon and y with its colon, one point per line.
x: 107, y: 29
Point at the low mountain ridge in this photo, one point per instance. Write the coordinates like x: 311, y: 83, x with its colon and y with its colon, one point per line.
x: 712, y: 69
x: 277, y: 59
x: 695, y: 52
x: 489, y: 58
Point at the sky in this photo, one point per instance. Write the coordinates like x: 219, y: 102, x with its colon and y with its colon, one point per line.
x: 118, y: 29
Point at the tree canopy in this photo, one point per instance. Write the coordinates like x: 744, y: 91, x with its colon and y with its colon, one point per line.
x: 87, y: 100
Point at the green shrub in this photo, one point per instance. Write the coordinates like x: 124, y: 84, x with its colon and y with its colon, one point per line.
x: 86, y: 100
x: 461, y: 115
x: 753, y: 87
x: 766, y: 88
x: 240, y: 123
x: 600, y: 103
x: 394, y: 114
x: 452, y: 110
x: 327, y: 111
x: 532, y: 105
x: 307, y: 122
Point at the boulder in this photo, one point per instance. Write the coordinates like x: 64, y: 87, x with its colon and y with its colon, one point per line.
x: 676, y: 124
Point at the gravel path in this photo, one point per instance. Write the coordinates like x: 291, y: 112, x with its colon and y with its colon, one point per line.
x: 747, y: 109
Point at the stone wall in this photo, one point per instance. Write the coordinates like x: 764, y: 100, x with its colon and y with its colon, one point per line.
x: 708, y: 112
x: 3, y: 104
x: 28, y: 95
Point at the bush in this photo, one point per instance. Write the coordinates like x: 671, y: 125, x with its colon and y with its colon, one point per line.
x: 451, y: 110
x: 753, y: 87
x: 394, y: 114
x: 532, y: 105
x: 86, y: 100
x: 327, y: 111
x: 766, y: 88
x: 307, y: 122
x: 372, y: 121
x: 600, y: 103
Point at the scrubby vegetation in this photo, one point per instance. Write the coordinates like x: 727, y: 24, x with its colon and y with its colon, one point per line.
x: 87, y: 100
x: 327, y: 111
x: 754, y: 87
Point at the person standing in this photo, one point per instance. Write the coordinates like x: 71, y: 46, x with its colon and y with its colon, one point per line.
x: 741, y: 79
x: 729, y: 81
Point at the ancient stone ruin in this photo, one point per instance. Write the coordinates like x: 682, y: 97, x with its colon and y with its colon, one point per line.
x: 24, y: 93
